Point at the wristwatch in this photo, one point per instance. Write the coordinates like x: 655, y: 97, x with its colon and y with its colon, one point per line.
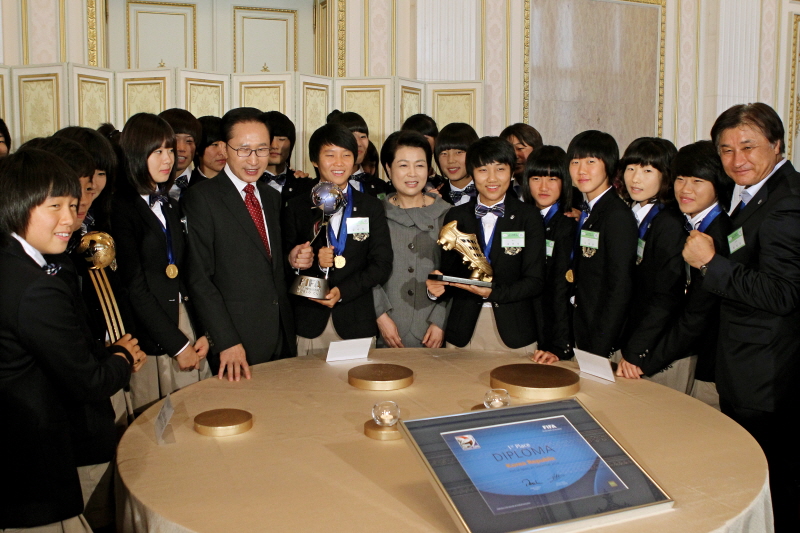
x: 703, y: 270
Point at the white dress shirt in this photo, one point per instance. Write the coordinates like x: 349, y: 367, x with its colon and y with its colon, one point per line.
x: 240, y: 185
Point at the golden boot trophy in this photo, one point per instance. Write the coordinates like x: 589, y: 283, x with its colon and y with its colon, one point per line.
x: 466, y: 244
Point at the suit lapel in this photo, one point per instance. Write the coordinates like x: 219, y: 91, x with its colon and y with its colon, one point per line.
x: 235, y: 204
x: 175, y: 230
x: 273, y: 224
x: 150, y: 219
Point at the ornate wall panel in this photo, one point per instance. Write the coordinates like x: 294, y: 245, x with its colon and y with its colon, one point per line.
x: 495, y: 20
x: 91, y: 96
x: 144, y: 91
x: 687, y: 73
x: 203, y: 93
x: 174, y: 23
x: 314, y: 102
x: 371, y: 98
x: 39, y: 103
x: 410, y: 100
x: 43, y: 31
x: 609, y: 79
x: 379, y: 37
x: 264, y: 38
x: 5, y: 99
x: 456, y: 102
x: 767, y: 74
x: 267, y: 92
x: 793, y: 124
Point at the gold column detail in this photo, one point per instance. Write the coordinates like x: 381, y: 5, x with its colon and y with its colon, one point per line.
x: 526, y: 63
x: 91, y: 19
x: 794, y: 101
x: 341, y: 36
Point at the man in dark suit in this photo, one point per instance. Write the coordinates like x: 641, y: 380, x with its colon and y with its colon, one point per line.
x: 236, y: 267
x: 279, y: 175
x: 758, y: 358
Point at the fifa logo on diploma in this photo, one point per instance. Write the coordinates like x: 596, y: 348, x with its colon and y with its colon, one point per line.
x: 467, y: 442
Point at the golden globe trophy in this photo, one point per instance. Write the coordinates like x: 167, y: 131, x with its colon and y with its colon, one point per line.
x: 329, y: 199
x: 450, y: 238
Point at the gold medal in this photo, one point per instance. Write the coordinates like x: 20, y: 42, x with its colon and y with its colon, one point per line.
x: 570, y: 276
x: 172, y: 271
x: 339, y: 261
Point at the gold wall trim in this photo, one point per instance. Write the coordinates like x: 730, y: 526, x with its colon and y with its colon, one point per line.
x: 85, y: 78
x: 456, y: 92
x: 483, y: 40
x: 193, y: 7
x: 508, y: 62
x: 21, y: 80
x: 411, y: 91
x: 141, y: 81
x: 268, y: 10
x: 341, y: 37
x: 189, y: 82
x: 3, y: 101
x: 62, y: 29
x: 280, y: 85
x: 91, y: 31
x: 526, y: 63
x: 366, y: 37
x: 23, y: 12
x: 794, y: 100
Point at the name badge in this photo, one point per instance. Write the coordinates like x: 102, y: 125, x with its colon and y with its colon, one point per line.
x: 357, y: 225
x: 639, y: 251
x: 512, y: 239
x: 548, y: 247
x: 590, y: 239
x: 736, y: 240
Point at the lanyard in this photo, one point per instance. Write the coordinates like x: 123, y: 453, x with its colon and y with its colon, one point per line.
x: 338, y: 241
x: 648, y: 219
x: 709, y: 218
x: 165, y: 229
x: 551, y: 213
x: 487, y: 246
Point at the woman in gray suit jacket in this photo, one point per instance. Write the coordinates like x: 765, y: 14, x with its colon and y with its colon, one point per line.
x: 407, y: 318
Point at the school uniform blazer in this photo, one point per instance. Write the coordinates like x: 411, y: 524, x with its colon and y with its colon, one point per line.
x: 47, y: 371
x: 295, y: 187
x: 553, y: 310
x: 518, y: 279
x: 196, y: 177
x: 142, y: 263
x: 239, y: 294
x: 604, y: 281
x: 368, y: 263
x: 659, y: 284
x: 374, y: 186
x: 696, y: 328
x: 758, y: 355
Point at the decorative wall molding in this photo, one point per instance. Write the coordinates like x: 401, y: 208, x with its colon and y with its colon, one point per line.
x: 265, y: 14
x: 180, y: 11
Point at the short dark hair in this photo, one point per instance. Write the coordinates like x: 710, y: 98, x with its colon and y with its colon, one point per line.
x: 548, y: 161
x: 241, y: 115
x: 400, y: 139
x: 331, y: 135
x: 27, y: 178
x: 350, y: 120
x: 454, y: 136
x: 421, y: 123
x: 525, y: 133
x: 490, y: 150
x: 212, y: 133
x: 143, y: 134
x: 655, y: 152
x: 758, y: 115
x: 5, y: 134
x: 701, y: 160
x: 99, y: 147
x: 598, y: 144
x: 69, y: 151
x: 182, y: 121
x: 281, y: 126
x: 110, y: 132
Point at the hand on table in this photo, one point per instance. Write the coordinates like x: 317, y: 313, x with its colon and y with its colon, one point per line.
x: 233, y: 360
x: 628, y: 370
x: 543, y: 357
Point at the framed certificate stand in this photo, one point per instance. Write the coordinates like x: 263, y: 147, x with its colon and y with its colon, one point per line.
x: 547, y: 466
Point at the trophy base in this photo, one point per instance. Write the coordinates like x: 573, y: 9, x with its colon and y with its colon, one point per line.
x: 310, y: 287
x: 465, y: 281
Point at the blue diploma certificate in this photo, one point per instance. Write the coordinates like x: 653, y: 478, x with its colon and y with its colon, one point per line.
x: 534, y: 463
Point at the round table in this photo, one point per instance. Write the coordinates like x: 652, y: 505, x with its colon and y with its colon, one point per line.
x: 306, y: 464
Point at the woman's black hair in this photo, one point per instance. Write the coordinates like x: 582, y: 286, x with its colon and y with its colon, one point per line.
x: 183, y: 122
x: 5, y: 134
x: 597, y: 144
x: 421, y: 123
x: 548, y: 161
x: 72, y: 153
x: 524, y: 133
x: 330, y: 135
x: 281, y: 126
x: 654, y: 152
x: 27, y: 178
x: 488, y: 150
x: 212, y: 133
x: 701, y: 160
x: 402, y: 138
x: 454, y: 136
x: 350, y: 120
x: 143, y: 134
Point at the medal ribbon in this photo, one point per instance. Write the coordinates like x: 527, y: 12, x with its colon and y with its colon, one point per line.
x: 165, y: 229
x: 648, y: 219
x: 487, y: 246
x: 709, y: 218
x: 339, y: 242
x: 551, y: 213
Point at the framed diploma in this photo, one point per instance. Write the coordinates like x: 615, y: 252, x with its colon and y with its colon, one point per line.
x: 548, y: 465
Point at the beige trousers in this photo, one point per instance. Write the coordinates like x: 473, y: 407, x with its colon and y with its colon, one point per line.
x: 319, y: 345
x: 97, y: 486
x: 706, y: 392
x: 76, y: 524
x: 679, y: 375
x: 485, y: 338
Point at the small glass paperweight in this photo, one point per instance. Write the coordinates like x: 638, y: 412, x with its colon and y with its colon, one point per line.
x: 386, y: 413
x: 495, y: 398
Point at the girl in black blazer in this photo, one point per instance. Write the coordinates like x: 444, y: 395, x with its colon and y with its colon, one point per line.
x: 358, y: 259
x: 151, y: 246
x: 659, y: 275
x: 703, y: 192
x: 545, y: 184
x: 511, y: 236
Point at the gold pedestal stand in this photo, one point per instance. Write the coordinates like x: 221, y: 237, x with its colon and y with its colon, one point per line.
x: 223, y: 422
x: 374, y: 431
x: 380, y: 377
x: 536, y: 382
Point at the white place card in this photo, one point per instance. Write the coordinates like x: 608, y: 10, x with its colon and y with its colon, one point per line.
x: 163, y: 418
x: 350, y: 349
x: 595, y: 365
